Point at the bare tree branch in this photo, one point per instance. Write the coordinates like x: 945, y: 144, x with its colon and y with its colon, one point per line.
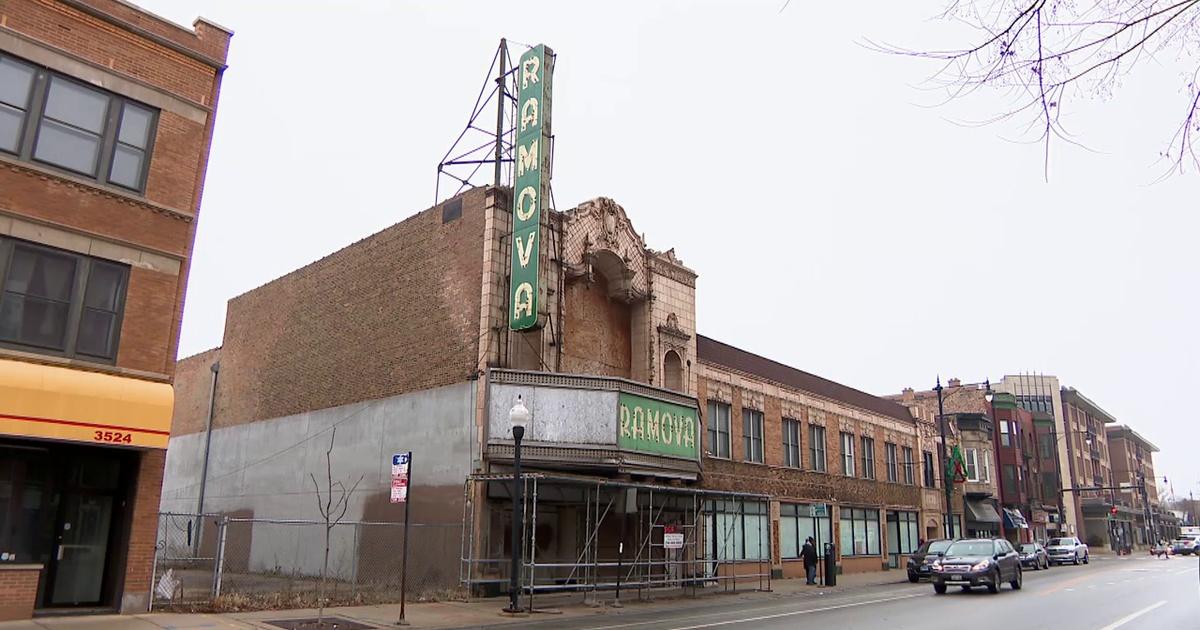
x: 1036, y: 53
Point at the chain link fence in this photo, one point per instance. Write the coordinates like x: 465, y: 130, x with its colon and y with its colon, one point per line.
x: 227, y: 563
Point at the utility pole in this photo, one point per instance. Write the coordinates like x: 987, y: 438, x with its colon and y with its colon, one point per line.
x: 947, y: 482
x: 500, y: 105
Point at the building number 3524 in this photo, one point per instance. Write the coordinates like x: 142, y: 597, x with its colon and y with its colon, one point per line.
x: 112, y: 436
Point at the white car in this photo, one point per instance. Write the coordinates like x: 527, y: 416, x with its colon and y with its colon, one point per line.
x: 1064, y: 550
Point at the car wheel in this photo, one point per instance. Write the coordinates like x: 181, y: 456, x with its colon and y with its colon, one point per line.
x: 1016, y: 584
x: 912, y: 577
x: 994, y: 583
x: 1075, y: 559
x: 1085, y: 558
x: 940, y: 589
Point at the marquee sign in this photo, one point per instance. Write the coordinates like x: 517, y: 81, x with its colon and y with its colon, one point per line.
x: 653, y: 426
x: 531, y: 188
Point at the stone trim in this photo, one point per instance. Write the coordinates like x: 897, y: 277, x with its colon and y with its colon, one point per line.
x: 83, y: 7
x: 93, y: 187
x: 12, y: 224
x: 583, y: 381
x: 46, y: 359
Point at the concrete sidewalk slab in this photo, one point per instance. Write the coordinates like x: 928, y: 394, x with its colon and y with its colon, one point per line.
x: 444, y: 615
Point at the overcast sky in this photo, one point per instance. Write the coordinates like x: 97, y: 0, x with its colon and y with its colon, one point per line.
x: 839, y: 221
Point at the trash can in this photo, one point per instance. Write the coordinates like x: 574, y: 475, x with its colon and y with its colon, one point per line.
x: 830, y: 565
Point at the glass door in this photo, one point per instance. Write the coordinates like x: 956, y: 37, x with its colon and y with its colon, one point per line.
x: 79, y: 561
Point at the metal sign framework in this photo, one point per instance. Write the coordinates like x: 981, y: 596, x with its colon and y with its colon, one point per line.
x: 645, y: 565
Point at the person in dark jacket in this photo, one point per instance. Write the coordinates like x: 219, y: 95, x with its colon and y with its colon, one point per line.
x: 809, y: 553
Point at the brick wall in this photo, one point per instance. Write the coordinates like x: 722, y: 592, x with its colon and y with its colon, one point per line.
x: 143, y: 531
x: 177, y: 71
x: 393, y: 313
x: 18, y: 590
x: 596, y: 331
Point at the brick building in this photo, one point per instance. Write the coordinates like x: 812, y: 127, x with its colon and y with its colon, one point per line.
x: 802, y: 439
x: 1089, y: 465
x: 970, y: 425
x: 1132, y: 458
x: 106, y: 116
x: 401, y: 341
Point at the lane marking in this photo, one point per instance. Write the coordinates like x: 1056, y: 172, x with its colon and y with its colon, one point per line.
x: 1130, y: 617
x: 1184, y: 571
x: 792, y: 613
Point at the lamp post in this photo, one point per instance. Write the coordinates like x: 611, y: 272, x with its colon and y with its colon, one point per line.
x: 519, y: 417
x: 987, y: 397
x: 947, y: 482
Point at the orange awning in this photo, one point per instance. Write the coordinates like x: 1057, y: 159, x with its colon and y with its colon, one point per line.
x: 61, y: 403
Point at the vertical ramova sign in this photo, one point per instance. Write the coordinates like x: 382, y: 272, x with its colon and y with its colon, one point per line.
x: 531, y: 189
x: 653, y: 426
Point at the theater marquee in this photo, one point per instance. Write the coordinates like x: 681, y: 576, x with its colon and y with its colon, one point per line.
x: 531, y: 188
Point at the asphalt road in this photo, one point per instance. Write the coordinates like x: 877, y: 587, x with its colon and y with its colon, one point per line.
x: 1132, y: 593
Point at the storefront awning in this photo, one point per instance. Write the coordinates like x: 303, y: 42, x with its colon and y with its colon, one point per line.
x: 981, y: 511
x: 59, y: 403
x: 1013, y: 519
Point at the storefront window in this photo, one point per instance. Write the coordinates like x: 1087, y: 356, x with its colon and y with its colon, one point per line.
x: 796, y: 524
x: 739, y: 530
x: 902, y: 535
x: 859, y: 532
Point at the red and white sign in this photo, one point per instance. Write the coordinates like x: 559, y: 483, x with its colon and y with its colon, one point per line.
x: 400, y: 477
x: 672, y: 537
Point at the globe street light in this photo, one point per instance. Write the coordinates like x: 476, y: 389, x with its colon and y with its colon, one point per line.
x: 519, y: 417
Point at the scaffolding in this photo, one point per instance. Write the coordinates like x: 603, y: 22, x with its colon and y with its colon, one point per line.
x: 618, y: 537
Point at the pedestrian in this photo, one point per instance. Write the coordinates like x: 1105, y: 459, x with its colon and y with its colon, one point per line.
x: 809, y: 553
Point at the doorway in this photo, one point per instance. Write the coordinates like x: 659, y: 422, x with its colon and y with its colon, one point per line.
x: 63, y: 507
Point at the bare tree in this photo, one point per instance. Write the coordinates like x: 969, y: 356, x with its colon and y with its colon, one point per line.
x: 1041, y: 55
x: 332, y: 512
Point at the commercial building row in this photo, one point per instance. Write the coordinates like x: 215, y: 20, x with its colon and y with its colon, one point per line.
x: 640, y: 424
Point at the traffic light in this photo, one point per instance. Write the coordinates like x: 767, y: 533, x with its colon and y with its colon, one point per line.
x: 1113, y: 510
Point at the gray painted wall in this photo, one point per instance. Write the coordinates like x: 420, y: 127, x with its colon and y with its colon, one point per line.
x: 262, y: 469
x: 561, y: 415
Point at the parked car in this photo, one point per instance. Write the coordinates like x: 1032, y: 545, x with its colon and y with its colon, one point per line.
x: 977, y: 562
x: 1064, y: 550
x: 1034, y: 555
x: 1185, y: 545
x: 922, y: 559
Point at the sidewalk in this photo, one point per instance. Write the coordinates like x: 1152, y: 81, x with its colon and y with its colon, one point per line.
x: 452, y: 614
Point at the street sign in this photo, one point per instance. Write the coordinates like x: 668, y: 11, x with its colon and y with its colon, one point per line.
x: 400, y: 476
x: 672, y: 537
x: 820, y: 510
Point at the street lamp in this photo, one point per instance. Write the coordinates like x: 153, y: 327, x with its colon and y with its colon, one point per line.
x: 519, y: 417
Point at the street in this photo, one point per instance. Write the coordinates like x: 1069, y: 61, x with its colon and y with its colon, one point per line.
x: 1137, y: 593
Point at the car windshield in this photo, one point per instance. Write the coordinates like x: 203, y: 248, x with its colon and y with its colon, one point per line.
x: 1028, y: 548
x: 938, y: 546
x: 1057, y: 542
x: 970, y: 548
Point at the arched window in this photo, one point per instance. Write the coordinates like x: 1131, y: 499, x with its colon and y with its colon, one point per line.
x: 673, y: 371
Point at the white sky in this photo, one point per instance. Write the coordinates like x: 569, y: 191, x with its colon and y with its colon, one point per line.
x: 838, y: 221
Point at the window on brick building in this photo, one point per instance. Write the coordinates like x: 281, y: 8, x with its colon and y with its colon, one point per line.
x: 868, y: 457
x: 848, y: 454
x: 49, y: 118
x: 930, y: 471
x: 752, y: 435
x: 718, y: 429
x: 1005, y: 433
x: 890, y: 463
x: 972, y: 462
x: 791, y: 443
x: 1010, y: 479
x: 906, y: 465
x: 59, y: 302
x: 816, y: 447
